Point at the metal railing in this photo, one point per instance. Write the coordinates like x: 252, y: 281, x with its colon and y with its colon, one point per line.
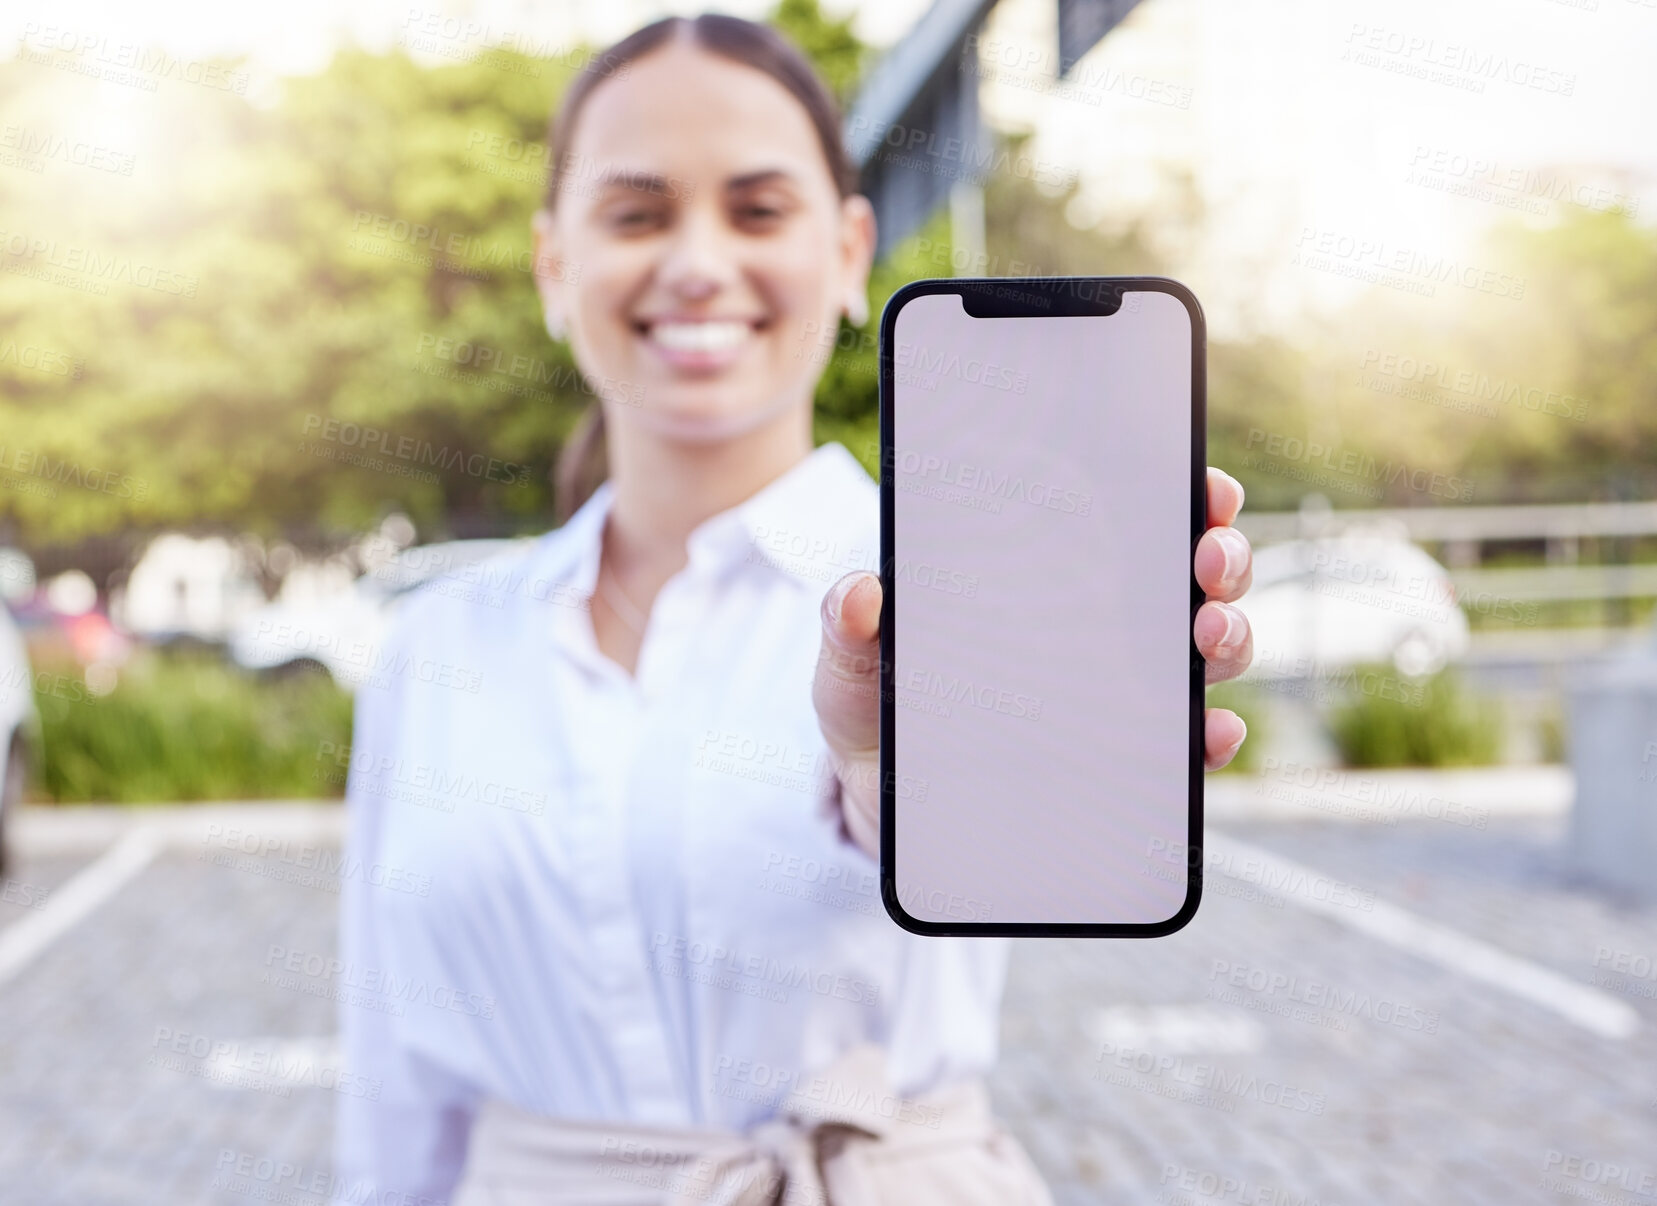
x: 1458, y: 535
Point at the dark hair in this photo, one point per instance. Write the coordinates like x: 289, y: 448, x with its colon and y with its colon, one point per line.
x: 582, y: 463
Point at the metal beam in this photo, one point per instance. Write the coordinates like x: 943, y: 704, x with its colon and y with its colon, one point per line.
x: 1471, y: 523
x: 914, y: 132
x: 928, y: 53
x: 1082, y: 23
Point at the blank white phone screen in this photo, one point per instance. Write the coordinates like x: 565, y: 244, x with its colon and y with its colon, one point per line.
x: 1042, y: 497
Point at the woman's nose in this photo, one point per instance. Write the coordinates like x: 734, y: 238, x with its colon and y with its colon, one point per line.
x: 698, y: 259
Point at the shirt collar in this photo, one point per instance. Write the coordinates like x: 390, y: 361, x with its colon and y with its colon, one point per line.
x: 569, y: 554
x: 814, y: 523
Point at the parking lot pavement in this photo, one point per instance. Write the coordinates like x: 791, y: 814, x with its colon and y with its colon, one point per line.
x: 1371, y: 1074
x: 131, y: 1070
x: 28, y: 884
x: 1286, y: 1048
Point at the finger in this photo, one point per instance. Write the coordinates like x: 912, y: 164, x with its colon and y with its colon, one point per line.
x: 1224, y: 564
x: 1223, y: 733
x: 1225, y: 497
x: 1224, y: 639
x: 846, y: 688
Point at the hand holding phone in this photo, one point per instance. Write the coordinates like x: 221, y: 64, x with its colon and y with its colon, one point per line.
x: 847, y: 685
x: 848, y: 690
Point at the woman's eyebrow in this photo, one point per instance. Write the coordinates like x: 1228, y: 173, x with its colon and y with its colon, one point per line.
x: 659, y: 185
x: 763, y: 176
x: 644, y: 182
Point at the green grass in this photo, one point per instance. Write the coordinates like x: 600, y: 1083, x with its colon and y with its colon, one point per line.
x: 1637, y: 612
x: 1450, y: 726
x: 186, y: 726
x: 1248, y: 702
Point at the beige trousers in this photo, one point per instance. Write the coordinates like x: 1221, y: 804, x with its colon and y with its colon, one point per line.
x: 843, y: 1138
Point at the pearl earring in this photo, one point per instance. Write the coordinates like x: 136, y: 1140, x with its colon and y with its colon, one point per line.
x: 857, y: 310
x: 555, y: 326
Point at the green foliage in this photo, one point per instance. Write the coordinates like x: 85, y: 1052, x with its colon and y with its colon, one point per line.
x: 1448, y: 727
x: 346, y: 276
x: 1029, y: 231
x: 1257, y: 387
x: 1552, y: 735
x: 833, y: 48
x: 177, y: 344
x: 1250, y: 703
x: 848, y: 392
x: 319, y: 252
x: 189, y: 727
x: 1545, y: 393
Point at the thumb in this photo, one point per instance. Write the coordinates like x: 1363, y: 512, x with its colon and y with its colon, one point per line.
x: 846, y: 692
x: 846, y: 688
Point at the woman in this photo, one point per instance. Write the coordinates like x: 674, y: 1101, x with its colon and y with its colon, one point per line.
x: 611, y: 864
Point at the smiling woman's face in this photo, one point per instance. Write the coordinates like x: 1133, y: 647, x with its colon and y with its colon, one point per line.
x: 699, y: 249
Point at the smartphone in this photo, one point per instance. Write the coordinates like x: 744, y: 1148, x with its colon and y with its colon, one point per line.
x: 1042, y: 491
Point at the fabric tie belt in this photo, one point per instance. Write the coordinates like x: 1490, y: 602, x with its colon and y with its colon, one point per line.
x: 843, y: 1137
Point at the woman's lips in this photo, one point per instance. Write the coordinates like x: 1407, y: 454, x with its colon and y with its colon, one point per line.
x: 702, y: 345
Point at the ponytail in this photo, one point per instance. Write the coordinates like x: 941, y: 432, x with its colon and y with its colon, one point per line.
x: 582, y: 463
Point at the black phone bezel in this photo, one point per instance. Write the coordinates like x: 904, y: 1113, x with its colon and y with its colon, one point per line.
x: 1039, y: 297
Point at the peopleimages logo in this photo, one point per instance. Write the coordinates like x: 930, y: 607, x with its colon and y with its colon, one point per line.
x: 1388, y: 1011
x: 38, y: 359
x: 377, y: 772
x: 1475, y: 385
x: 1414, y: 270
x: 762, y: 974
x: 376, y: 441
x: 977, y: 482
x: 96, y: 267
x: 1210, y: 1083
x: 917, y: 898
x: 938, y: 362
x: 299, y: 967
x: 38, y: 146
x: 952, y: 688
x: 271, y: 1179
x: 126, y: 63
x: 49, y: 474
x: 1454, y: 64
x: 1292, y: 450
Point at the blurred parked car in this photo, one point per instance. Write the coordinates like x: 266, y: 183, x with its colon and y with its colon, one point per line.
x: 17, y: 706
x: 17, y: 575
x: 342, y: 632
x: 1365, y: 595
x: 65, y: 630
x: 186, y: 589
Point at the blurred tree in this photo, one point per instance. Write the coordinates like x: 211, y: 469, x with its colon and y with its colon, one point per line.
x: 834, y: 49
x: 293, y: 313
x: 338, y: 317
x: 335, y: 319
x: 1542, y: 395
x: 1572, y: 371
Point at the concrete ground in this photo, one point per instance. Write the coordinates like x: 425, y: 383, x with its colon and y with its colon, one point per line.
x: 1426, y: 1009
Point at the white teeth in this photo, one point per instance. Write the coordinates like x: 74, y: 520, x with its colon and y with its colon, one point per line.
x: 699, y: 336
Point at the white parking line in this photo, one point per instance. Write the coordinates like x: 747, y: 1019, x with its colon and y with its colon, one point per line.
x: 130, y: 839
x: 270, y: 1061
x: 1589, y: 1008
x: 95, y: 883
x: 42, y: 831
x: 1192, y: 1029
x: 1291, y: 791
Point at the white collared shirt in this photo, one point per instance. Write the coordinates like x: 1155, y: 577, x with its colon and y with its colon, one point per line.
x: 600, y: 896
